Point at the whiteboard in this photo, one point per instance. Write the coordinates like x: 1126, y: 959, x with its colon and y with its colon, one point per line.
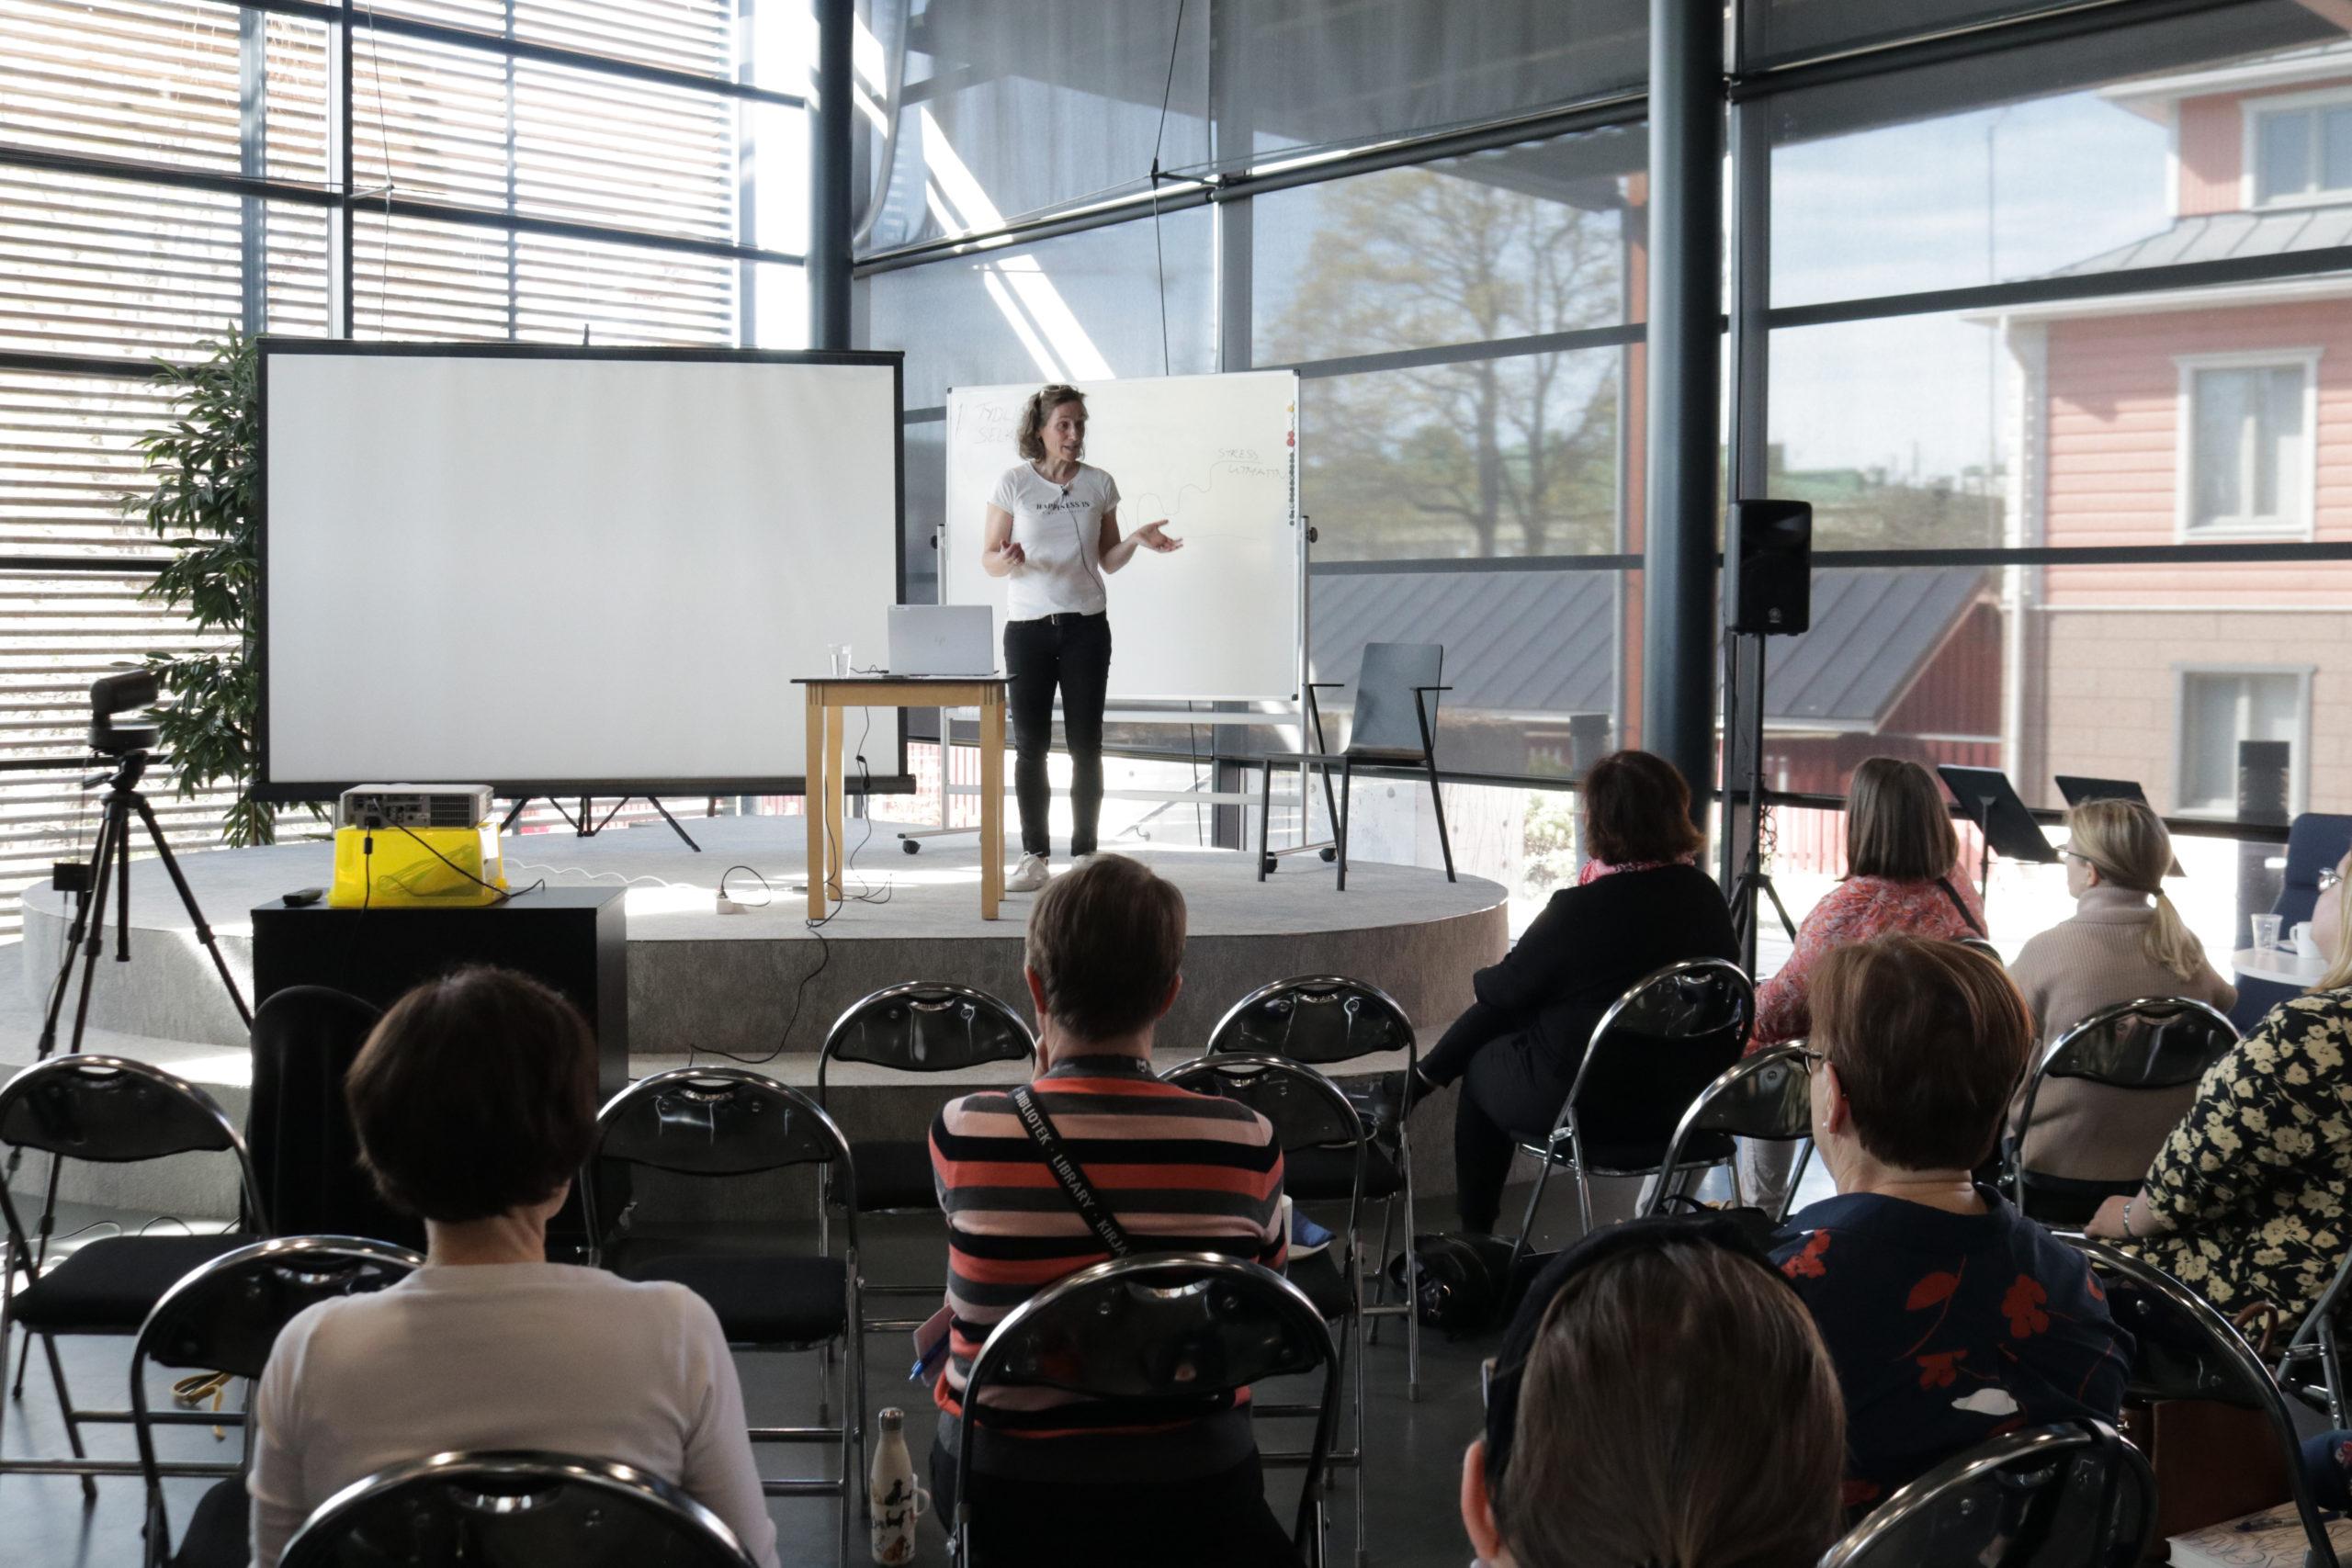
x: 1217, y: 457
x: 587, y: 570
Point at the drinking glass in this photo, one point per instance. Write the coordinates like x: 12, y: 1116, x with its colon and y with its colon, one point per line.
x: 2266, y: 933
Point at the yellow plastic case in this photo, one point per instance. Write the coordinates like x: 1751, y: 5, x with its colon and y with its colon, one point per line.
x: 408, y: 874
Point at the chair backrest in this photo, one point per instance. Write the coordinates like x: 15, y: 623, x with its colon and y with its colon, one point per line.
x: 1180, y: 1329
x: 926, y: 1026
x: 114, y: 1111
x: 1395, y: 694
x: 1658, y: 1048
x: 2143, y: 1045
x: 2185, y: 1350
x: 1316, y: 1019
x: 305, y: 1151
x: 2315, y: 842
x: 1767, y: 1096
x: 1305, y: 1110
x: 1984, y: 944
x: 2075, y: 1495
x: 513, y: 1509
x: 716, y: 1122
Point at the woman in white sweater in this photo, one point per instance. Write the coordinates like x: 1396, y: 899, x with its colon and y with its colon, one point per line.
x: 2125, y: 942
x: 475, y: 1101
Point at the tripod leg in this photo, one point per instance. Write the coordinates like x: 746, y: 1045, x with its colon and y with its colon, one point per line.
x: 187, y: 901
x: 75, y: 932
x: 514, y: 815
x: 655, y: 803
x: 1778, y: 908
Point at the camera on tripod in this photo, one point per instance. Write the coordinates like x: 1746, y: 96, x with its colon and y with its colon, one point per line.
x: 114, y: 694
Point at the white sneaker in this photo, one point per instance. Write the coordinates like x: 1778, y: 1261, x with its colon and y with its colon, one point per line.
x: 1029, y: 875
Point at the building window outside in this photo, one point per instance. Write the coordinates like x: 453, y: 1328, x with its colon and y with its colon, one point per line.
x: 2247, y: 450
x: 2302, y: 154
x: 2221, y: 707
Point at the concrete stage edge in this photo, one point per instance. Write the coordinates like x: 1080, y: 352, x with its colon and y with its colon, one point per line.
x: 702, y: 981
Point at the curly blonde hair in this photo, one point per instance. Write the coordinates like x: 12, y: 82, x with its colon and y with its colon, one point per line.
x: 1037, y: 410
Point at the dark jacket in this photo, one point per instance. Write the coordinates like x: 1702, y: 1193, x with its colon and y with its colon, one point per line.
x: 1582, y: 953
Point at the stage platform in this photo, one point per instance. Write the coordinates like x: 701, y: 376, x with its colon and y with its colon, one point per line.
x: 761, y: 985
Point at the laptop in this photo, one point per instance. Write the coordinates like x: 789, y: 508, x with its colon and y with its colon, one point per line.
x: 943, y: 639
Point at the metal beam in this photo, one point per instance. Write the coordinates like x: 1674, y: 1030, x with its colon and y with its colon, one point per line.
x: 1685, y: 276
x: 830, y: 223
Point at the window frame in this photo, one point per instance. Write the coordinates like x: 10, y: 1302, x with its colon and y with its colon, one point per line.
x: 2299, y: 767
x: 2252, y: 111
x: 2300, y: 528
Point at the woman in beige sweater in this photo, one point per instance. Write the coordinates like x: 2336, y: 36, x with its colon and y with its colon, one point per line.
x: 2125, y: 942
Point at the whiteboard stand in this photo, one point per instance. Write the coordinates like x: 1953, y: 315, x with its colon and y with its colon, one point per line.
x: 585, y: 825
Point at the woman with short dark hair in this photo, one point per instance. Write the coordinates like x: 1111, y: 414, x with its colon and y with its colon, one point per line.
x: 475, y: 1102
x: 1951, y: 1316
x: 1639, y: 905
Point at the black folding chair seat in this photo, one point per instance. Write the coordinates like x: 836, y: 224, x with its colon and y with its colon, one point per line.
x: 110, y: 1285
x: 1315, y: 1175
x: 760, y: 1298
x: 894, y: 1173
x: 1639, y: 1157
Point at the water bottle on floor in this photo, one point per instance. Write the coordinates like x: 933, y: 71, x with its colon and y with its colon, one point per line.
x: 893, y: 1499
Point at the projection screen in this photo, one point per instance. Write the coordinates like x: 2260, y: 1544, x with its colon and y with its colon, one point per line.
x: 569, y: 572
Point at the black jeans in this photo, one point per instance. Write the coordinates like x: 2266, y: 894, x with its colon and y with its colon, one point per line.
x: 1511, y: 1088
x: 1220, y: 1519
x: 1073, y: 653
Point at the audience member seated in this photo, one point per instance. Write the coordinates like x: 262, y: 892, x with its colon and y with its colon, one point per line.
x: 1059, y: 1478
x: 1660, y: 1398
x: 1901, y: 852
x: 2125, y: 942
x: 475, y: 1101
x: 2246, y: 1202
x: 1638, y: 906
x: 1951, y: 1316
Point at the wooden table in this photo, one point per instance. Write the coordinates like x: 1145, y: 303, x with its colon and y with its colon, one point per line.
x: 830, y: 696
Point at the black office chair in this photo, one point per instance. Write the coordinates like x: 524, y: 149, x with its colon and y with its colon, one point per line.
x: 2188, y: 1351
x: 1393, y: 732
x: 1326, y: 1021
x: 2073, y: 1495
x: 1176, y: 1329
x: 1654, y: 1052
x: 1306, y: 1110
x: 2158, y: 1047
x: 921, y: 1027
x: 716, y: 1123
x: 499, y: 1509
x: 305, y: 1151
x: 1767, y: 1096
x: 224, y: 1317
x: 107, y: 1110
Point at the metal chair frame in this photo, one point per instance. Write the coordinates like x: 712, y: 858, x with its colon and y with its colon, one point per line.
x: 319, y: 1543
x: 1223, y: 1042
x: 1164, y: 1275
x: 1567, y: 1127
x: 227, y: 1274
x: 1703, y: 1117
x: 850, y: 1431
x: 2034, y: 1449
x: 2239, y: 1377
x: 1386, y: 761
x: 918, y: 995
x: 2059, y: 1062
x: 29, y: 1255
x: 2316, y: 1339
x: 1220, y: 1076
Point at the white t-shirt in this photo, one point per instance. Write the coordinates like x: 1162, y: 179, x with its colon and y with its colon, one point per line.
x: 1060, y: 530
x: 503, y: 1356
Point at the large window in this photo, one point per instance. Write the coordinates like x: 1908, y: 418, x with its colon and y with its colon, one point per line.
x: 172, y: 170
x: 2303, y: 148
x: 2220, y: 710
x: 2249, y: 450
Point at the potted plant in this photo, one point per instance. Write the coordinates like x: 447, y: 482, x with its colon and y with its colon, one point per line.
x: 202, y: 507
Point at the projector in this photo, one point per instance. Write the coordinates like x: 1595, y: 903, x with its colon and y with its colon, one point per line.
x: 413, y: 806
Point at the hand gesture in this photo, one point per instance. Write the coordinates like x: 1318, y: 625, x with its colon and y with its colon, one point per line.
x: 1011, y: 554
x: 1153, y: 537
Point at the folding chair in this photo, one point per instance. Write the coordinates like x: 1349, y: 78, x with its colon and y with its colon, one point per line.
x: 1176, y: 1329
x: 1394, y: 733
x: 2153, y: 1047
x: 1984, y: 944
x: 713, y: 1123
x: 2072, y: 1495
x: 224, y: 1317
x: 513, y: 1509
x: 921, y: 1027
x: 1307, y: 1111
x: 1324, y: 1021
x: 305, y: 1150
x: 2320, y: 1341
x: 1654, y: 1052
x: 1767, y: 1096
x: 107, y: 1110
x: 2188, y: 1351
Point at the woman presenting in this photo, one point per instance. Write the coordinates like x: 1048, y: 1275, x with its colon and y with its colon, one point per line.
x: 1053, y: 532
